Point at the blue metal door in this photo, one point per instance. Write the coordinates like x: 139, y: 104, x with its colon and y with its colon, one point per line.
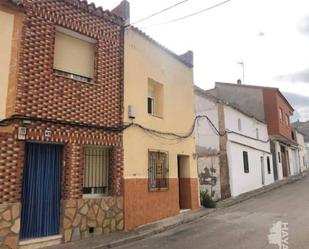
x: 41, y: 192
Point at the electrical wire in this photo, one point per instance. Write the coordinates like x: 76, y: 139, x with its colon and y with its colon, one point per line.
x: 190, y: 15
x: 125, y: 126
x: 117, y: 128
x: 159, y: 12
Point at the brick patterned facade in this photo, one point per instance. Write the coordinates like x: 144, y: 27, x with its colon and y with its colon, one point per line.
x: 11, y: 161
x: 273, y: 102
x: 42, y: 94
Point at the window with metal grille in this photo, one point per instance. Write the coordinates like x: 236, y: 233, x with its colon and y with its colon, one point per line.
x: 246, y: 161
x: 158, y: 170
x: 96, y: 166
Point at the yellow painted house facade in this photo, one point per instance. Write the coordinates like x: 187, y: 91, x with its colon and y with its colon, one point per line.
x: 11, y: 19
x: 160, y: 172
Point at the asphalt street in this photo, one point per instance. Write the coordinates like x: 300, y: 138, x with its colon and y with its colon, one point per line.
x: 245, y: 225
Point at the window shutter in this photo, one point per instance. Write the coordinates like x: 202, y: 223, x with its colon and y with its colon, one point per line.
x: 74, y: 55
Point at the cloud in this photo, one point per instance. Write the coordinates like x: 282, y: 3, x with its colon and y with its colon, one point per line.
x: 301, y: 105
x: 300, y: 76
x: 304, y: 25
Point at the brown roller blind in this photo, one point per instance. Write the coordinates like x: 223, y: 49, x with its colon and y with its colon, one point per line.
x: 96, y: 166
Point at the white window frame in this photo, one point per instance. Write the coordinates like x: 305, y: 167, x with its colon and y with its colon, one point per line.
x: 152, y: 105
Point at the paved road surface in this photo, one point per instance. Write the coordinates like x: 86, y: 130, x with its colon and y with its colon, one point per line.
x: 243, y: 226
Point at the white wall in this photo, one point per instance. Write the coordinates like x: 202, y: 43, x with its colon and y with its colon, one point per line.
x: 279, y: 161
x: 240, y: 181
x: 208, y: 141
x: 205, y: 137
x: 294, y: 161
x: 303, y: 157
x: 307, y: 154
x: 204, y: 133
x: 248, y: 128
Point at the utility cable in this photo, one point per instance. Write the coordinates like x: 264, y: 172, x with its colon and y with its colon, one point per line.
x: 190, y: 15
x: 159, y: 12
x: 124, y: 126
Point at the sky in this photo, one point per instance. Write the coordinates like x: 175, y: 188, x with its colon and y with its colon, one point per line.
x: 271, y: 38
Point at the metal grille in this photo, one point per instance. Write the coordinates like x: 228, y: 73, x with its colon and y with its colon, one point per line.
x: 96, y: 166
x: 158, y: 170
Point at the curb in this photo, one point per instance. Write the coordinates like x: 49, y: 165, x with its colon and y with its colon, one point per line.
x: 246, y: 196
x: 200, y: 214
x: 158, y: 227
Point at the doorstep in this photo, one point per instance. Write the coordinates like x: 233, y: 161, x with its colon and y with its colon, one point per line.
x: 40, y: 242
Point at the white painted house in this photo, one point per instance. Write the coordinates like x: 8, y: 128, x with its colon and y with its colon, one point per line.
x: 302, y: 151
x: 238, y: 159
x: 307, y: 154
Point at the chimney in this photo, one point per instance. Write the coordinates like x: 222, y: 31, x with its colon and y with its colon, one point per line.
x: 187, y: 57
x: 123, y: 10
x: 239, y: 82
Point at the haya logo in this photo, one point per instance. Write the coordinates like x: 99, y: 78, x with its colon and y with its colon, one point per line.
x: 279, y: 235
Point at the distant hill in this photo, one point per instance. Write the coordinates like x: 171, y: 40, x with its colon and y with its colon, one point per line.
x: 303, y: 127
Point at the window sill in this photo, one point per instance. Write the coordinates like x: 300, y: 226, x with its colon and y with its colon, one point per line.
x: 158, y: 189
x: 155, y: 116
x: 94, y: 196
x: 81, y: 81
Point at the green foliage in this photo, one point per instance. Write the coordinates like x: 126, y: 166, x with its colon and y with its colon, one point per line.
x: 206, y: 200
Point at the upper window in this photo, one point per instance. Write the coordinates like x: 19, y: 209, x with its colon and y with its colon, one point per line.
x: 268, y: 165
x: 96, y: 167
x: 239, y: 125
x: 280, y: 114
x: 74, y: 55
x: 150, y: 104
x: 246, y: 161
x: 155, y: 99
x: 287, y: 120
x: 293, y: 135
x: 157, y: 170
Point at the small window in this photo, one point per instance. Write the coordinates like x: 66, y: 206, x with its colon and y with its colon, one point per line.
x: 279, y: 157
x: 257, y: 133
x: 268, y: 165
x: 280, y: 114
x: 239, y: 125
x: 155, y: 99
x: 74, y: 55
x: 157, y: 170
x: 246, y: 161
x: 151, y: 105
x: 293, y: 135
x: 96, y: 167
x: 287, y: 120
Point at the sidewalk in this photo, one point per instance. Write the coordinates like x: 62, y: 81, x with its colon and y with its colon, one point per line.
x: 121, y: 238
